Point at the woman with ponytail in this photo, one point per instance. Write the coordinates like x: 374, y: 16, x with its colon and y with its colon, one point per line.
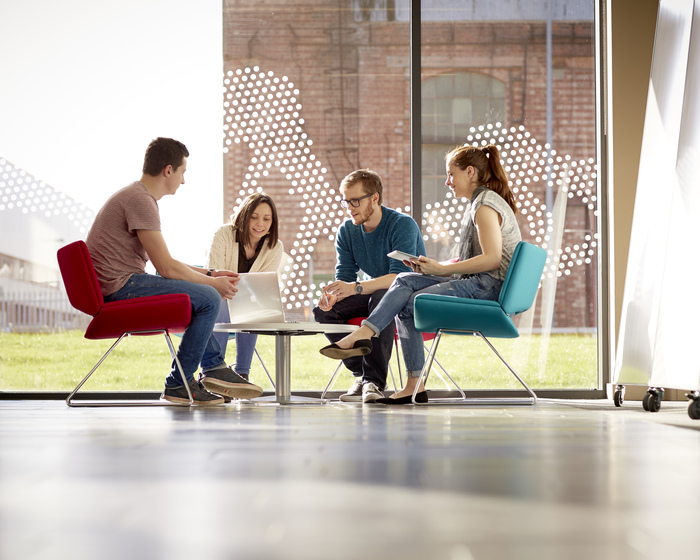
x: 488, y: 238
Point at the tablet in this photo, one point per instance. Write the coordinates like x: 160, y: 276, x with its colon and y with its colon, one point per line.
x: 401, y: 256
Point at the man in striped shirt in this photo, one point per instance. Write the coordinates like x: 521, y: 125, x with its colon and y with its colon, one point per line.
x: 125, y: 235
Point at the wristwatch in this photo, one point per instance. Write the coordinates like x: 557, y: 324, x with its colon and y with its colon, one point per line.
x: 358, y: 287
x: 210, y: 271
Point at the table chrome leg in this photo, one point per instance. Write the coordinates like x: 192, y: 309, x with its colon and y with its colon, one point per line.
x: 283, y: 368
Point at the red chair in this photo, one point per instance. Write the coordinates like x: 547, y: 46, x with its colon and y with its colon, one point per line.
x: 140, y: 316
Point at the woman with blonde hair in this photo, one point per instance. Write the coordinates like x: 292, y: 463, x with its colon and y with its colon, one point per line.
x: 488, y: 239
x: 250, y: 243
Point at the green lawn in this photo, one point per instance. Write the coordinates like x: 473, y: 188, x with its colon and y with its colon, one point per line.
x: 57, y: 362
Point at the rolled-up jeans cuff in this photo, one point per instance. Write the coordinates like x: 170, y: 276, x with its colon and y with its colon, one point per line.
x: 375, y: 330
x: 414, y: 374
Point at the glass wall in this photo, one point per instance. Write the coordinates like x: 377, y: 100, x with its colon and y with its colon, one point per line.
x: 522, y: 76
x: 313, y: 89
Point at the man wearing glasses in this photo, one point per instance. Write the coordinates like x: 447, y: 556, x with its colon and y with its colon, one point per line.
x: 362, y: 244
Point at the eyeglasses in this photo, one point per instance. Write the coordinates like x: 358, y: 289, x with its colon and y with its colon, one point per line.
x: 354, y: 202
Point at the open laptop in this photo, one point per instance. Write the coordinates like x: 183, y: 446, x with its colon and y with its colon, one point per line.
x: 258, y: 306
x: 258, y: 299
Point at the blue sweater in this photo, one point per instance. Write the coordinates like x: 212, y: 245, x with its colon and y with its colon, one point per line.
x: 358, y: 250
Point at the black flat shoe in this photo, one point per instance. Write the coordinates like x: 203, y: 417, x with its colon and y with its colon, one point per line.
x: 421, y: 397
x: 360, y: 348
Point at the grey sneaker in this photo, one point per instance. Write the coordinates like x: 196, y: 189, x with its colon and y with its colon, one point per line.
x: 370, y: 392
x: 200, y: 395
x: 355, y: 392
x: 224, y: 381
x: 242, y: 375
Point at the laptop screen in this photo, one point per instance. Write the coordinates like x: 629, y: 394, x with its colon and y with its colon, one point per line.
x: 258, y: 299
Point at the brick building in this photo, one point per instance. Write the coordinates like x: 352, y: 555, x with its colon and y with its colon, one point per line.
x: 315, y: 89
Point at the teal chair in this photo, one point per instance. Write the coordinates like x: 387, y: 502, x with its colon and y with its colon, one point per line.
x: 441, y: 314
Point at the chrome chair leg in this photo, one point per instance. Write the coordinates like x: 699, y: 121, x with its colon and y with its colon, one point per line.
x: 527, y: 387
x: 332, y: 379
x: 464, y: 400
x: 263, y: 366
x: 427, y: 350
x: 173, y: 355
x: 391, y: 372
x: 425, y: 372
x: 398, y: 363
x: 81, y: 404
x: 69, y: 400
x: 439, y: 365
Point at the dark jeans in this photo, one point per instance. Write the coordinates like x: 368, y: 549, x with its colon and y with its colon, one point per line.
x: 374, y: 366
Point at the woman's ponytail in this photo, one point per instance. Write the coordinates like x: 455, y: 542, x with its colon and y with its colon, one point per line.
x: 487, y: 161
x: 498, y: 180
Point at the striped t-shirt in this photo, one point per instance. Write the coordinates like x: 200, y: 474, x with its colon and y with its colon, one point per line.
x: 112, y: 241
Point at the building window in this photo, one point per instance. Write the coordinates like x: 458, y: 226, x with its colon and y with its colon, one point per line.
x: 454, y: 103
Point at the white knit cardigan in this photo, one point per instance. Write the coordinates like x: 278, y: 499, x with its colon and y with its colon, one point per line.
x: 223, y: 253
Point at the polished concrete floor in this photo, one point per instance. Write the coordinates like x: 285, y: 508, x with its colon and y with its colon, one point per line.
x: 561, y: 480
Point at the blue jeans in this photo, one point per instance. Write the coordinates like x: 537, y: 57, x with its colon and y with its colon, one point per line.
x: 245, y: 343
x: 197, y: 345
x: 398, y: 302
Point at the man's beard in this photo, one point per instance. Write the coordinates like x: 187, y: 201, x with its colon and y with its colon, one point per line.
x: 364, y: 216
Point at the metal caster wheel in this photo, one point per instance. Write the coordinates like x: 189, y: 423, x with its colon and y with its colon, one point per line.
x: 619, y: 395
x: 654, y: 402
x: 694, y: 410
x: 652, y: 399
x: 694, y: 407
